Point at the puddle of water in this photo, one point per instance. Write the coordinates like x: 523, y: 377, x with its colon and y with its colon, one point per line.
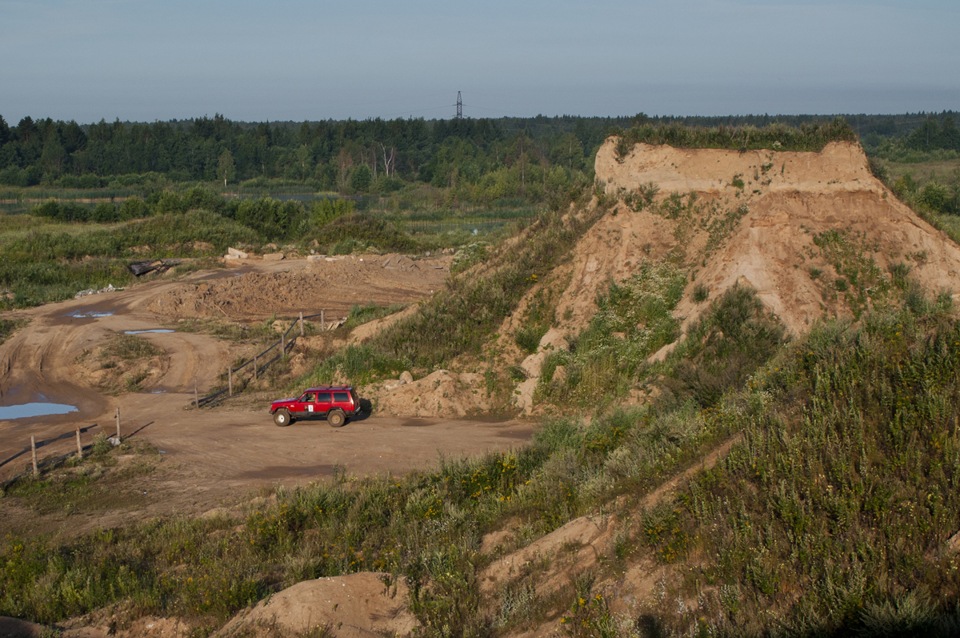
x: 35, y: 409
x: 80, y: 314
x: 153, y: 330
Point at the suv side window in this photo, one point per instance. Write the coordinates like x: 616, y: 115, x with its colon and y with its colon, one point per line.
x: 308, y: 397
x: 341, y: 397
x: 323, y: 397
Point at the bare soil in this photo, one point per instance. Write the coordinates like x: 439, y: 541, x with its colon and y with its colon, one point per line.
x: 209, y: 458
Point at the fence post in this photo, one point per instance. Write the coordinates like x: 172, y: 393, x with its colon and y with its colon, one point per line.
x: 301, y: 323
x: 79, y: 446
x: 118, y: 426
x: 229, y: 381
x: 33, y: 454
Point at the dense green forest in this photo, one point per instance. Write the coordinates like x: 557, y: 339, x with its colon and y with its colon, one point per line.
x: 505, y: 158
x: 480, y: 160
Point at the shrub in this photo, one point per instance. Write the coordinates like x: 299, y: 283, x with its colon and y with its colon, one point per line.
x: 811, y: 136
x: 723, y: 348
x: 700, y: 293
x: 843, y: 491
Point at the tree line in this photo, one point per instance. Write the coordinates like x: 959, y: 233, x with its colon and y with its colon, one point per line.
x: 536, y: 160
x: 349, y: 157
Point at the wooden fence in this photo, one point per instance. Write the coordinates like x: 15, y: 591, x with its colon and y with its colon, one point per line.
x: 76, y: 434
x: 253, y: 368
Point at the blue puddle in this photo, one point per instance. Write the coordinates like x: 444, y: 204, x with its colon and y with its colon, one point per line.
x: 152, y: 330
x: 24, y: 410
x: 81, y: 314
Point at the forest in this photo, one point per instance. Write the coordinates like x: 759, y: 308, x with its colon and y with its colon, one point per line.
x: 537, y: 160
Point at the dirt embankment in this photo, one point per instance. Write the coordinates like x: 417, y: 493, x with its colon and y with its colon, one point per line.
x: 804, y: 229
x: 788, y: 200
x: 259, y: 290
x: 814, y: 233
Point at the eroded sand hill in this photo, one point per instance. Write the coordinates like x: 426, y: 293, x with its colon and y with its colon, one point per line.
x: 789, y: 199
x: 764, y: 219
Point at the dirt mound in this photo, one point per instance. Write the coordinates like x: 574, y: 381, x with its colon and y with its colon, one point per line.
x: 331, y: 284
x: 812, y: 226
x: 357, y: 605
x: 441, y: 394
x: 814, y: 233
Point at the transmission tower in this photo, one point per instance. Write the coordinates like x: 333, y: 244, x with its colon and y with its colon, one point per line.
x: 459, y: 106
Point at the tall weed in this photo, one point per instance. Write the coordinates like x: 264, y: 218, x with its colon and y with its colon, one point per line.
x: 843, y: 494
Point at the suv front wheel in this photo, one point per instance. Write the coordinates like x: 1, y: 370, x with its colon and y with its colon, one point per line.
x: 281, y: 418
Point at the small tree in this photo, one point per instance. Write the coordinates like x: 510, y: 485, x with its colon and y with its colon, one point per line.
x: 226, y: 168
x: 361, y: 178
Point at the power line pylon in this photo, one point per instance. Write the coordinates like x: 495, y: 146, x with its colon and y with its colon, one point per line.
x: 459, y: 106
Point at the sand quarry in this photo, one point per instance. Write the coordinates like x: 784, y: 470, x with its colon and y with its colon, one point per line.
x: 783, y: 202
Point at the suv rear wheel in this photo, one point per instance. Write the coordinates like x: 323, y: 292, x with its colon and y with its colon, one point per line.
x: 336, y: 418
x: 281, y: 418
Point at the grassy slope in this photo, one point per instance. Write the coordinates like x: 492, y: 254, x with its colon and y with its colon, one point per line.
x: 832, y: 513
x: 831, y: 516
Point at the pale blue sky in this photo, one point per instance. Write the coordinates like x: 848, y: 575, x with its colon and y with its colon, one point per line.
x: 147, y: 60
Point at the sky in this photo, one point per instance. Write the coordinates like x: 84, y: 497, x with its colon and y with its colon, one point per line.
x: 298, y: 60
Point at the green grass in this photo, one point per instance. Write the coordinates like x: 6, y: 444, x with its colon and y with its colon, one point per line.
x: 129, y: 347
x: 829, y: 516
x: 807, y: 137
x: 89, y: 486
x: 722, y: 349
x: 360, y: 315
x: 634, y: 319
x: 835, y: 510
x: 538, y: 317
x: 52, y: 262
x: 8, y: 327
x: 44, y: 260
x: 858, y: 278
x: 461, y: 318
x: 230, y: 331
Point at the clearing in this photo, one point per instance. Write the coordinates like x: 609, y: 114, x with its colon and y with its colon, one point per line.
x: 212, y: 457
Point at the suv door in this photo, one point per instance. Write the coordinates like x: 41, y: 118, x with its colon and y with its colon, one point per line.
x: 323, y: 403
x: 305, y: 404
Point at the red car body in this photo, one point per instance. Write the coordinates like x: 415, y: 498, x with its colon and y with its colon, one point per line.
x: 336, y: 403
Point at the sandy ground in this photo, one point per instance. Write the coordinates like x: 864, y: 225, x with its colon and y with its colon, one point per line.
x: 214, y: 457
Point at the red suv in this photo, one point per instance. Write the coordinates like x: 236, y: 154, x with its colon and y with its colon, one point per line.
x: 335, y: 402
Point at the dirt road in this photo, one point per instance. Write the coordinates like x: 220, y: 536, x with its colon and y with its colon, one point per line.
x: 211, y: 457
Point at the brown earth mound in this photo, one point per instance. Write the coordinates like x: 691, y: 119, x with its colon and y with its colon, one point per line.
x: 815, y: 233
x: 352, y: 606
x: 787, y: 200
x: 330, y: 284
